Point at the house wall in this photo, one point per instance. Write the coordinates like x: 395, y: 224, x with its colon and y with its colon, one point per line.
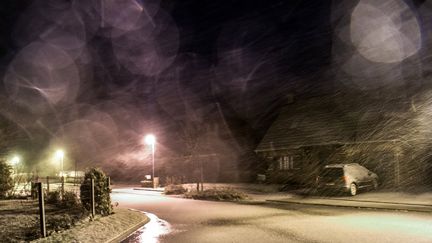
x: 304, y: 166
x: 396, y: 166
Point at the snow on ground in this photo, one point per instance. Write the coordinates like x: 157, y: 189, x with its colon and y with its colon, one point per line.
x: 102, y: 229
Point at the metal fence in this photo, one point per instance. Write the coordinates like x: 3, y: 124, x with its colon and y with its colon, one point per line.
x: 45, y: 205
x: 24, y: 185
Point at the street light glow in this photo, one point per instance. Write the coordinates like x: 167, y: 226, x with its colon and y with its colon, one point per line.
x: 59, y: 154
x: 15, y: 160
x: 150, y: 139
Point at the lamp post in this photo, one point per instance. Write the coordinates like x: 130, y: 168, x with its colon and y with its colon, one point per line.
x: 150, y: 139
x: 59, y: 154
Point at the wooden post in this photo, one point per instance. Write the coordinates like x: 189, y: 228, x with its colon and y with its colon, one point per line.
x: 33, y: 190
x: 75, y: 178
x: 92, y: 198
x: 201, y: 176
x: 62, y: 186
x: 196, y: 177
x: 109, y: 183
x: 47, y: 181
x: 41, y: 209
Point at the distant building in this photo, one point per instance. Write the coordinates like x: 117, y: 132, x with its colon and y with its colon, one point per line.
x: 71, y: 173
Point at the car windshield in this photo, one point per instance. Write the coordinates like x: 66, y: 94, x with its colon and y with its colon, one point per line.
x: 332, y: 172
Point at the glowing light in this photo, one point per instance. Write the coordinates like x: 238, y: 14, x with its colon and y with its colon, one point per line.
x: 385, y: 31
x: 59, y: 154
x: 15, y: 160
x: 150, y: 139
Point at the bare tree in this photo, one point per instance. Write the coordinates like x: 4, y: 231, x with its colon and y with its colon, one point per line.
x: 195, y: 137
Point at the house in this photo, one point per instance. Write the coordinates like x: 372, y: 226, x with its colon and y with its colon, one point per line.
x: 386, y: 137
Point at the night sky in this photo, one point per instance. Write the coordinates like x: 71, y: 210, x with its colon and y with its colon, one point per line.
x: 95, y: 77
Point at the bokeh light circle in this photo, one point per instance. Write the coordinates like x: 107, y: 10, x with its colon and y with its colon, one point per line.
x: 385, y: 31
x: 42, y: 75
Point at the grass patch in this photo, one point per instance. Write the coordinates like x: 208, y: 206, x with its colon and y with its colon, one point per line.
x: 19, y: 219
x: 217, y: 194
x: 101, y: 229
x: 19, y: 222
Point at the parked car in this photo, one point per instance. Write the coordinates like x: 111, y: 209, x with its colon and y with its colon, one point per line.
x: 348, y: 178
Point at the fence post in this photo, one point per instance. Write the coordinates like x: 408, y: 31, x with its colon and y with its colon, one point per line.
x: 109, y: 183
x: 92, y: 198
x: 47, y: 181
x: 201, y: 176
x: 41, y: 209
x: 62, y: 186
x: 33, y: 189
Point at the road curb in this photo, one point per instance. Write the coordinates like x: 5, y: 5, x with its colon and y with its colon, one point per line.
x: 382, y: 202
x: 149, y: 189
x: 392, y: 207
x: 131, y: 230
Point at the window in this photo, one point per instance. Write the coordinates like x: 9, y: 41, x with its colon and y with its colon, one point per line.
x: 332, y: 173
x: 286, y: 163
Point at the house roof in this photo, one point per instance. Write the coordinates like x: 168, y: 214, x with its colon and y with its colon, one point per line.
x: 331, y: 120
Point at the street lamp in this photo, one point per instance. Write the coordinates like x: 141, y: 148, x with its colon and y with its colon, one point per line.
x: 59, y: 154
x: 150, y: 139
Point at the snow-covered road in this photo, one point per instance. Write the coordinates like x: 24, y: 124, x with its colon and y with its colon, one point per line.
x: 205, y: 221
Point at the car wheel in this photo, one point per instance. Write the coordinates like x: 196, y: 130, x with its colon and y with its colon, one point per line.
x: 353, y: 189
x: 375, y: 184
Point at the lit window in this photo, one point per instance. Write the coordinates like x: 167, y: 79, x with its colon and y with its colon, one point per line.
x: 286, y: 163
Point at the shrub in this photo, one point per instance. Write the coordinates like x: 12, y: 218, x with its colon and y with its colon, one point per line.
x: 174, y: 190
x: 53, y: 197
x: 6, y: 182
x: 29, y: 233
x: 101, y: 192
x: 224, y: 194
x: 59, y: 222
x: 70, y: 200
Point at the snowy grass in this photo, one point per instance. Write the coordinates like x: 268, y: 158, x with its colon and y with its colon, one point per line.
x: 19, y: 222
x: 245, y: 187
x: 219, y: 194
x: 17, y: 225
x: 102, y: 229
x: 19, y: 219
x: 174, y: 190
